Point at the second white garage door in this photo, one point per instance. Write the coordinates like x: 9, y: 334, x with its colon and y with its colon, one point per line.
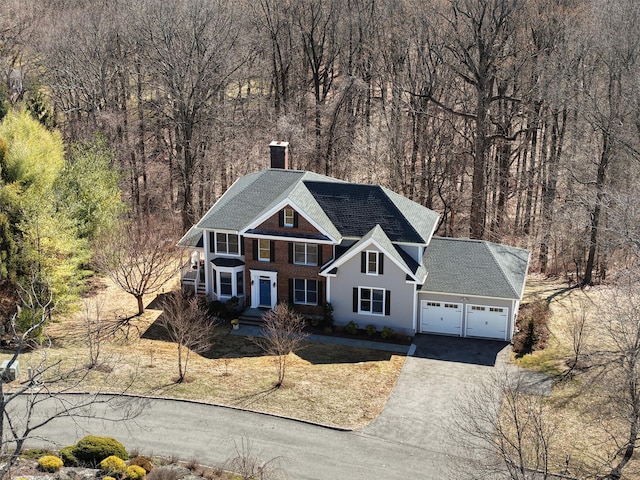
x: 441, y: 317
x: 486, y: 321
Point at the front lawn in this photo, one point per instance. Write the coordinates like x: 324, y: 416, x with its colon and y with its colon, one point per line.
x: 328, y: 384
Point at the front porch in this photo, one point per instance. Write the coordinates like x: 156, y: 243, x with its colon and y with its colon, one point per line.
x: 192, y: 277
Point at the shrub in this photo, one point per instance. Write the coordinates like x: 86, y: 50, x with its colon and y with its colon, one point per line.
x: 371, y: 330
x: 388, y: 332
x: 327, y: 318
x: 532, y: 327
x: 107, y: 477
x: 135, y: 472
x: 35, y: 453
x: 50, y: 463
x: 351, y: 328
x: 92, y: 450
x: 67, y: 456
x: 113, y: 465
x: 142, y: 461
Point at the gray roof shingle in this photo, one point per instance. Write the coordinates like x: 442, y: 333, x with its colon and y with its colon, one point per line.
x: 475, y: 267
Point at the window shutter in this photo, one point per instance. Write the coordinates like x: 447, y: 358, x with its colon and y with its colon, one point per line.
x: 241, y: 240
x: 212, y: 242
x: 281, y: 218
x: 363, y: 262
x: 319, y: 255
x: 255, y: 249
x: 272, y: 251
x: 355, y: 299
x: 290, y: 252
x: 320, y: 286
x: 291, y: 299
x: 295, y: 219
x: 380, y: 263
x: 215, y: 282
x: 387, y: 303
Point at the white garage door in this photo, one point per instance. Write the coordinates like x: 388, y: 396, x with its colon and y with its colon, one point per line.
x: 441, y: 317
x: 486, y: 321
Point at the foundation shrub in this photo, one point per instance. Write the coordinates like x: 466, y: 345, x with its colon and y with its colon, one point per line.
x: 351, y: 328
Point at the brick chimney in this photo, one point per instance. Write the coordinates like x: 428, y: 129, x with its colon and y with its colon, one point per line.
x: 279, y: 154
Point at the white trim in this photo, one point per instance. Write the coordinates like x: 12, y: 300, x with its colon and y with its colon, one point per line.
x: 327, y: 297
x: 284, y: 217
x: 306, y: 254
x: 287, y: 239
x: 279, y: 206
x: 469, y: 308
x: 366, y: 262
x: 306, y: 290
x: 227, y: 253
x: 415, y: 309
x: 461, y: 295
x: 260, y: 249
x: 372, y: 313
x: 255, y: 276
x: 349, y: 254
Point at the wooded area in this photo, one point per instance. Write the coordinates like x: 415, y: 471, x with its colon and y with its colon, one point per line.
x: 518, y: 121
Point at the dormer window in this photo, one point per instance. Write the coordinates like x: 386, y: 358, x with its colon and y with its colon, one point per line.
x: 289, y: 217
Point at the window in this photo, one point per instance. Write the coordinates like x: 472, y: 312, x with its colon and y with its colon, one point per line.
x: 240, y: 283
x: 264, y: 250
x: 372, y: 301
x: 477, y: 308
x: 225, y: 284
x: 371, y: 262
x: 215, y: 281
x: 450, y: 305
x: 289, y: 217
x: 433, y: 304
x: 495, y: 309
x: 305, y: 254
x: 227, y: 243
x: 305, y: 292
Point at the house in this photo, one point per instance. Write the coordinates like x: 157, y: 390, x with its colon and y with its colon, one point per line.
x: 282, y: 235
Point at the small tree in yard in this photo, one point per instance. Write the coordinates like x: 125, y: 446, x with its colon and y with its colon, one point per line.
x: 282, y: 333
x: 27, y: 406
x: 188, y: 326
x: 138, y: 258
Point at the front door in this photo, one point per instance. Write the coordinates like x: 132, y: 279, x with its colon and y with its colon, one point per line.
x: 265, y: 292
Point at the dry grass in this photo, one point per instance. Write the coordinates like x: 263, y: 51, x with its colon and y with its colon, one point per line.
x: 585, y: 424
x: 346, y: 387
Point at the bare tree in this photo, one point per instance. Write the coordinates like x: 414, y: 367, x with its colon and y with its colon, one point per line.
x: 188, y: 326
x: 247, y: 463
x: 27, y: 406
x: 615, y: 360
x: 94, y: 329
x: 139, y: 258
x: 282, y: 333
x: 507, y: 427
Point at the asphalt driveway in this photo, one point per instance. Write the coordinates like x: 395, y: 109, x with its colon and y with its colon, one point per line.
x: 439, y: 371
x: 409, y: 438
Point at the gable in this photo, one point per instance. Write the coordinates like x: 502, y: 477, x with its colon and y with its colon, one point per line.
x: 288, y: 222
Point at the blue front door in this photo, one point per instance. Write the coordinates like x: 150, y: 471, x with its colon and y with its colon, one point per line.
x: 265, y: 292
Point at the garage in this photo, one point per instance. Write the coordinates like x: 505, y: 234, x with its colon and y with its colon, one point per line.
x: 441, y: 317
x: 487, y: 321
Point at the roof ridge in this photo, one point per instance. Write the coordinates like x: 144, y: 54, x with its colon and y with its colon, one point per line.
x: 487, y: 245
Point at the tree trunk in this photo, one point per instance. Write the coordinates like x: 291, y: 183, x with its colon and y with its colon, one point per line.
x: 140, y: 304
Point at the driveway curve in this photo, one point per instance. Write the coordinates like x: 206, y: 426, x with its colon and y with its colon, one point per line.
x: 407, y: 438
